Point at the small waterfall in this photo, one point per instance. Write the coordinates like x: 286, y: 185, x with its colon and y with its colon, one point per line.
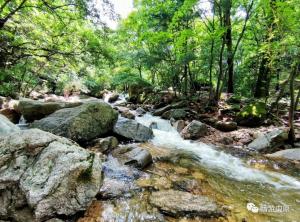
x: 225, y: 164
x: 22, y: 123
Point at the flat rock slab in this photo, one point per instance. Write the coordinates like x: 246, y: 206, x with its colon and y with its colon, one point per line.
x: 289, y: 154
x: 178, y: 203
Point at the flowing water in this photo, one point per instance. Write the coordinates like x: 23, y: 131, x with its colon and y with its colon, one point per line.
x: 246, y: 190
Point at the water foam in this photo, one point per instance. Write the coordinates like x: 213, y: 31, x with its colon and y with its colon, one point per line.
x: 166, y: 136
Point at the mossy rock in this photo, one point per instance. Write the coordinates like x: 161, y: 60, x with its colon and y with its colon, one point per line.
x: 234, y: 99
x: 253, y: 114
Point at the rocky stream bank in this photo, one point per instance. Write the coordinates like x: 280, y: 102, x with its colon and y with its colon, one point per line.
x: 85, y: 160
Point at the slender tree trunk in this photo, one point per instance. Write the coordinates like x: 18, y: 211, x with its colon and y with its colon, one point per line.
x: 262, y: 82
x: 185, y: 80
x: 220, y: 71
x: 292, y: 108
x: 297, y: 99
x: 228, y: 40
x: 210, y: 69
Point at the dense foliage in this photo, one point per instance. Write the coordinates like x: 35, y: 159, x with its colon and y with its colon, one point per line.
x: 249, y: 48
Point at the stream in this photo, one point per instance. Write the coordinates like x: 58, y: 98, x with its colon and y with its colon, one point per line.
x: 255, y: 194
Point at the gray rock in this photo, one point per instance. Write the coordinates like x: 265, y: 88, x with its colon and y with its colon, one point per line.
x: 35, y: 110
x: 119, y: 179
x: 123, y: 210
x: 290, y: 154
x: 179, y: 125
x: 82, y: 123
x: 6, y: 126
x: 128, y: 115
x: 194, y: 130
x: 162, y: 110
x: 131, y: 129
x: 269, y: 141
x: 140, y: 111
x: 113, y: 97
x: 175, y: 114
x: 153, y: 125
x: 2, y: 99
x: 113, y: 188
x: 53, y: 175
x: 55, y: 220
x: 179, y: 203
x: 104, y: 145
x: 133, y: 156
x: 226, y: 126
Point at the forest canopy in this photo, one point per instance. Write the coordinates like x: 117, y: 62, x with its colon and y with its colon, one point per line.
x: 249, y: 48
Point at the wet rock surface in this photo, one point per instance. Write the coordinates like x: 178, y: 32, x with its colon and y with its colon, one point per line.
x: 82, y: 123
x: 194, y: 130
x: 289, y: 154
x: 118, y: 179
x: 131, y: 129
x: 140, y: 111
x: 134, y: 156
x: 122, y: 210
x: 113, y: 97
x: 179, y: 125
x: 46, y: 173
x: 6, y: 126
x: 179, y: 203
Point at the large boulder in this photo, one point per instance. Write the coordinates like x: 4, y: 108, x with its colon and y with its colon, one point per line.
x: 6, y: 126
x: 269, y: 141
x: 82, y: 123
x: 194, y: 130
x: 35, y: 110
x: 252, y: 115
x: 289, y: 154
x: 131, y: 129
x: 47, y: 174
x: 179, y: 203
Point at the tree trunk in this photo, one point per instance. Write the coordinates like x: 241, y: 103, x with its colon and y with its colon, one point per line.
x: 292, y: 108
x: 262, y: 83
x: 220, y: 71
x: 228, y: 41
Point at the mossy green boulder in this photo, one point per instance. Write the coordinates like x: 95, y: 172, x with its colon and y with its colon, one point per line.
x: 82, y: 123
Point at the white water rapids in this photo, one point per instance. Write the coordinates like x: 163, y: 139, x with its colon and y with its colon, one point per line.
x: 166, y: 136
